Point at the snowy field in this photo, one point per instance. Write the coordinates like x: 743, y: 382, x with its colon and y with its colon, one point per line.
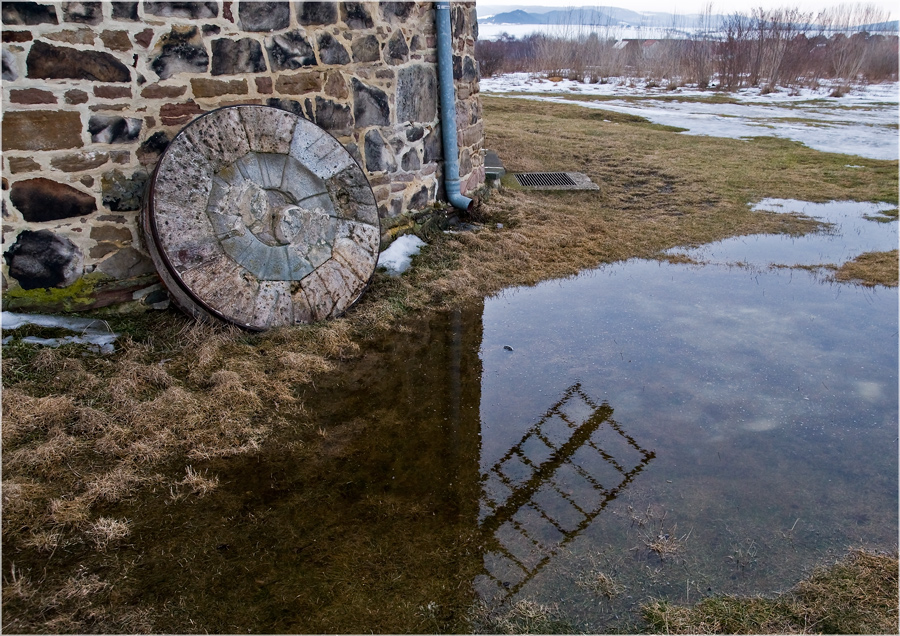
x: 863, y: 122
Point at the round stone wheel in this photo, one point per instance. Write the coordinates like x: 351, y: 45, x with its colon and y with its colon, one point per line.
x: 258, y: 217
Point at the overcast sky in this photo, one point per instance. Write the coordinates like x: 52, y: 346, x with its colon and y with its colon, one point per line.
x: 696, y: 6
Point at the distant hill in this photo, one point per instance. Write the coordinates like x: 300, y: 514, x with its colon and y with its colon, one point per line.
x: 606, y: 16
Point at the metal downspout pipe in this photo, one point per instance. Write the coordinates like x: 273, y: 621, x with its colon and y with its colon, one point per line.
x: 448, y: 107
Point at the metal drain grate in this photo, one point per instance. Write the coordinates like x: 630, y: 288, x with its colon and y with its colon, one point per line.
x: 544, y: 179
x: 555, y: 181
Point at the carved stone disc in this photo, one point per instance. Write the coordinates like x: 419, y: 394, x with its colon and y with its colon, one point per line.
x: 261, y: 218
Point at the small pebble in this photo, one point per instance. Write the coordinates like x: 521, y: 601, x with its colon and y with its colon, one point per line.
x: 508, y: 348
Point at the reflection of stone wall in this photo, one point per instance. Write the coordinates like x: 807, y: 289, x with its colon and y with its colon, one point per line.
x: 94, y: 92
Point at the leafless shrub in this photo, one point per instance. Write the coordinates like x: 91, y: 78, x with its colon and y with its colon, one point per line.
x: 767, y: 48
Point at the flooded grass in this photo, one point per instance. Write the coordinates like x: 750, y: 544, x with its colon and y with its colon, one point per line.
x: 329, y: 478
x: 872, y: 268
x: 855, y: 595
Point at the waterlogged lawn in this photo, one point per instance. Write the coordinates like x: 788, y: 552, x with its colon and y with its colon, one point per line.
x: 540, y: 426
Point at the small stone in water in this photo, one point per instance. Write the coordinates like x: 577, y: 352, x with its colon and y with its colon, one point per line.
x: 507, y: 348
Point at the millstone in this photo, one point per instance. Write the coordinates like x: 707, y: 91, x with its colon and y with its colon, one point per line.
x: 259, y: 217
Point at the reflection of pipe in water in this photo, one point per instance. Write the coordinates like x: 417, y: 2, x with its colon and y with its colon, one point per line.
x: 546, y: 490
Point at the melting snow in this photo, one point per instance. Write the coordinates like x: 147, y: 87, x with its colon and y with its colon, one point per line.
x: 397, y: 258
x: 91, y: 332
x: 863, y: 122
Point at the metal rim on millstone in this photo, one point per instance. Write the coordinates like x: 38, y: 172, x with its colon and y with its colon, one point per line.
x: 259, y: 217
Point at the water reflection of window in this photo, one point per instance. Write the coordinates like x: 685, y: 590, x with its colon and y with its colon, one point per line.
x: 550, y: 486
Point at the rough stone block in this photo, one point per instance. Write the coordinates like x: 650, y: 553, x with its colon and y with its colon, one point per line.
x: 28, y: 13
x: 78, y: 162
x: 317, y: 13
x: 111, y: 234
x: 105, y: 129
x: 331, y: 51
x: 18, y: 165
x: 416, y: 94
x: 178, y: 114
x: 370, y: 105
x: 356, y: 16
x: 46, y: 61
x: 112, y: 92
x: 152, y: 148
x: 336, y: 85
x: 116, y: 40
x: 397, y: 50
x: 398, y: 11
x: 127, y: 11
x: 31, y: 96
x: 333, y: 117
x: 155, y: 91
x: 76, y: 96
x: 43, y: 259
x: 17, y: 36
x: 264, y: 85
x: 76, y: 36
x: 181, y: 51
x: 299, y: 83
x: 126, y: 263
x: 366, y: 49
x: 234, y: 57
x: 40, y: 200
x: 190, y: 10
x: 144, y: 38
x: 41, y: 130
x: 204, y: 88
x: 10, y: 67
x: 289, y: 51
x: 264, y: 16
x: 121, y: 193
x: 83, y: 12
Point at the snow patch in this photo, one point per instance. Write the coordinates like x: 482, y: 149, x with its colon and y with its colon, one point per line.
x: 91, y: 332
x: 397, y: 258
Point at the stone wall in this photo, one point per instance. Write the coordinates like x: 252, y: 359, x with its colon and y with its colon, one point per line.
x: 93, y: 92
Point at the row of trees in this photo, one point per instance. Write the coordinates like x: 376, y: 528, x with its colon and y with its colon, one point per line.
x: 765, y: 48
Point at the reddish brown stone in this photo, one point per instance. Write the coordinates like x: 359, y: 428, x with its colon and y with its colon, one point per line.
x: 335, y: 86
x: 226, y: 11
x: 264, y: 85
x: 76, y: 96
x: 149, y: 122
x: 111, y: 233
x: 23, y: 164
x: 120, y: 156
x: 76, y: 162
x: 112, y: 92
x: 299, y: 83
x: 177, y: 114
x: 116, y: 40
x: 108, y: 107
x: 41, y: 130
x: 155, y: 91
x: 31, y: 96
x: 87, y: 180
x: 17, y: 36
x: 144, y: 38
x: 80, y: 36
x: 204, y: 87
x: 41, y: 200
x: 46, y: 61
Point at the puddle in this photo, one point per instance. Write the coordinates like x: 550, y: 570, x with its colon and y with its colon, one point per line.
x: 644, y: 429
x: 853, y: 229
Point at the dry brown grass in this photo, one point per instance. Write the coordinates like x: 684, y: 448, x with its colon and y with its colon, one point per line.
x: 873, y: 268
x: 857, y: 595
